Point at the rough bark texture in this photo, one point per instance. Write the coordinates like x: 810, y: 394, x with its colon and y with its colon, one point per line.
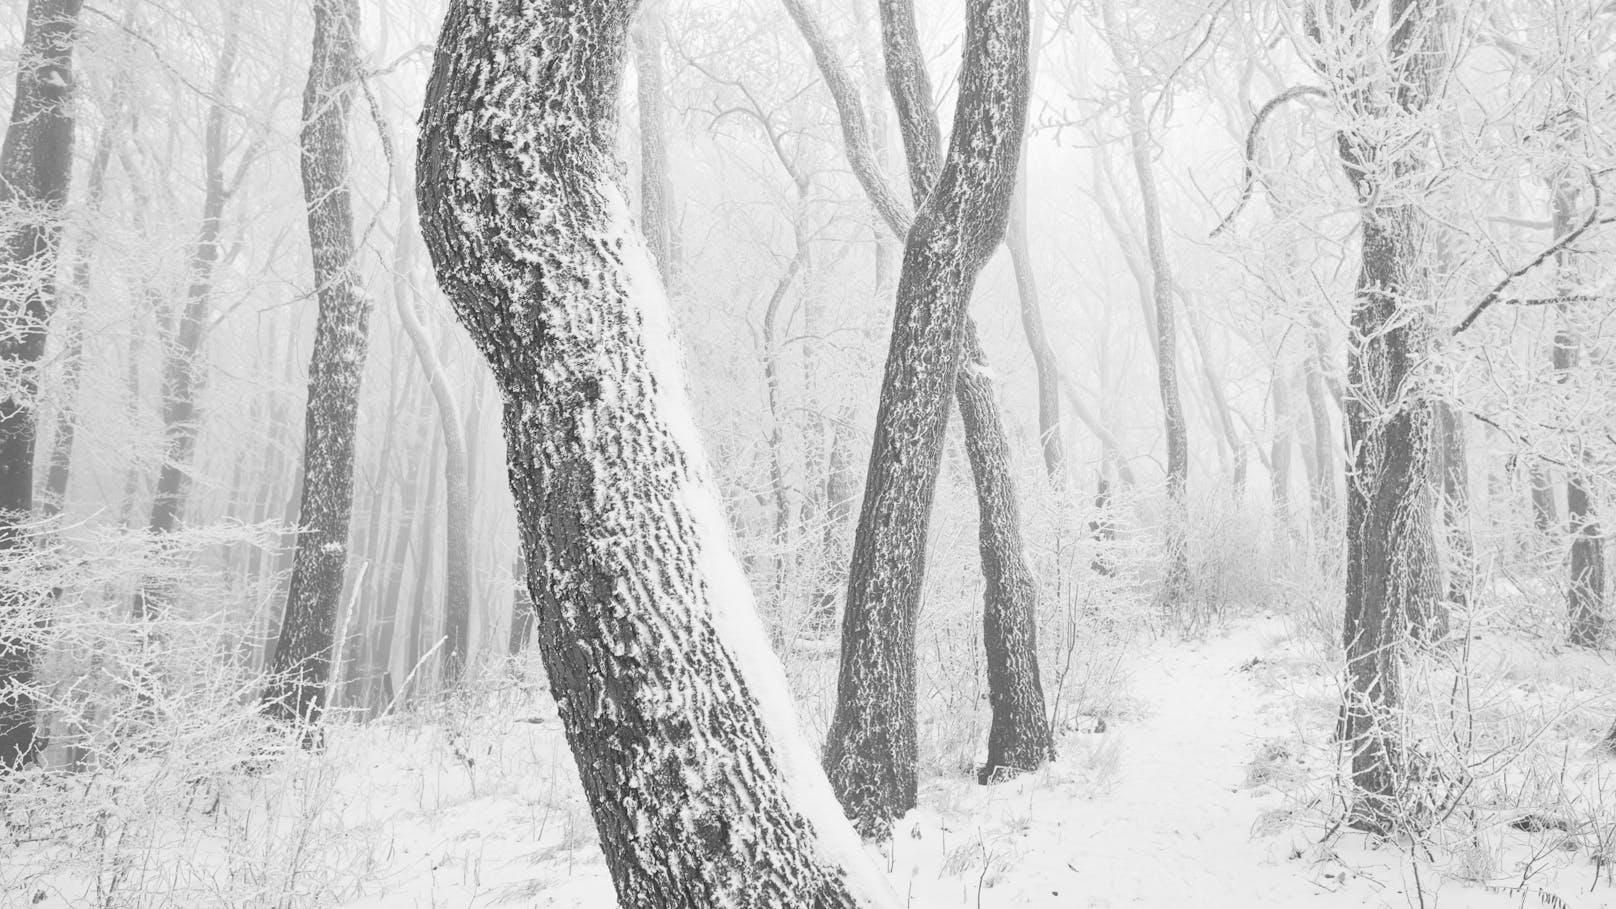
x: 870, y: 750
x: 702, y: 790
x: 656, y: 183
x: 1392, y: 589
x: 36, y: 163
x: 302, y: 661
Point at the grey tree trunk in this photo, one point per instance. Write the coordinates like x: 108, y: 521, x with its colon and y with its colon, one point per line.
x: 1586, y: 596
x: 870, y: 751
x: 1175, y: 578
x: 184, y: 365
x: 702, y: 790
x: 656, y: 182
x: 456, y: 477
x: 36, y: 162
x: 302, y: 663
x: 1392, y: 591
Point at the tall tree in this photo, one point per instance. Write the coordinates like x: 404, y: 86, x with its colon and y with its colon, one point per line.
x: 184, y: 363
x: 870, y: 752
x: 702, y: 790
x: 656, y: 182
x: 36, y: 163
x: 1392, y: 591
x: 1019, y: 738
x: 1175, y: 580
x: 302, y: 663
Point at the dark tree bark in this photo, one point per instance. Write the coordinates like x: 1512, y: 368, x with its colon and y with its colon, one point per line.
x: 36, y: 162
x: 656, y: 182
x: 702, y: 790
x: 302, y: 663
x: 1451, y: 464
x: 1392, y: 591
x: 870, y: 751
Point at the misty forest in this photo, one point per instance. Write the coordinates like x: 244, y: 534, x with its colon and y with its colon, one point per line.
x: 837, y: 454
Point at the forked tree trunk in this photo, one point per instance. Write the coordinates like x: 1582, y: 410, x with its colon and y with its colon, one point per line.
x: 702, y: 790
x: 1392, y: 591
x: 36, y: 162
x: 870, y: 751
x: 302, y: 661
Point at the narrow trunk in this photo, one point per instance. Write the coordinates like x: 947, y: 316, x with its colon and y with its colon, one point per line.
x: 656, y: 184
x: 1586, y: 599
x: 36, y: 162
x: 1175, y: 581
x: 1279, y: 455
x: 302, y: 661
x: 702, y: 790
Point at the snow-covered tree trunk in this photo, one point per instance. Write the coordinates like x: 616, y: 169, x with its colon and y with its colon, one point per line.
x: 36, y: 163
x: 1392, y: 589
x: 302, y: 662
x: 702, y: 789
x: 870, y: 751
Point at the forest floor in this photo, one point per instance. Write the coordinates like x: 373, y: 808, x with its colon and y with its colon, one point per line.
x: 1204, y: 789
x: 1200, y: 794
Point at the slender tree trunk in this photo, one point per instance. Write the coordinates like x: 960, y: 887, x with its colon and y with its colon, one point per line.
x: 702, y: 790
x: 184, y: 365
x: 61, y: 451
x: 870, y: 752
x: 1279, y: 455
x: 302, y: 661
x: 656, y: 183
x: 457, y: 482
x: 1175, y: 581
x: 36, y: 162
x: 1451, y: 464
x: 522, y: 609
x: 1586, y: 599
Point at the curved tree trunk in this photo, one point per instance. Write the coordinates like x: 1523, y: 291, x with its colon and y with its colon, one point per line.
x: 456, y: 477
x: 302, y: 661
x: 870, y: 751
x: 702, y: 790
x: 36, y: 162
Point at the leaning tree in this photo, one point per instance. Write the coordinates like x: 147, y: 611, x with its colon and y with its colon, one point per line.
x: 702, y: 790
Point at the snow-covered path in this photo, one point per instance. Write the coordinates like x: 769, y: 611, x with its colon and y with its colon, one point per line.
x: 1170, y: 827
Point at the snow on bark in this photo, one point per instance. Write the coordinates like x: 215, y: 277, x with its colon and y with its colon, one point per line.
x: 870, y: 752
x: 36, y: 163
x: 302, y: 663
x: 702, y: 789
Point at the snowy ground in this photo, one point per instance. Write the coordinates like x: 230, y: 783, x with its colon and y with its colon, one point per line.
x: 1197, y: 797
